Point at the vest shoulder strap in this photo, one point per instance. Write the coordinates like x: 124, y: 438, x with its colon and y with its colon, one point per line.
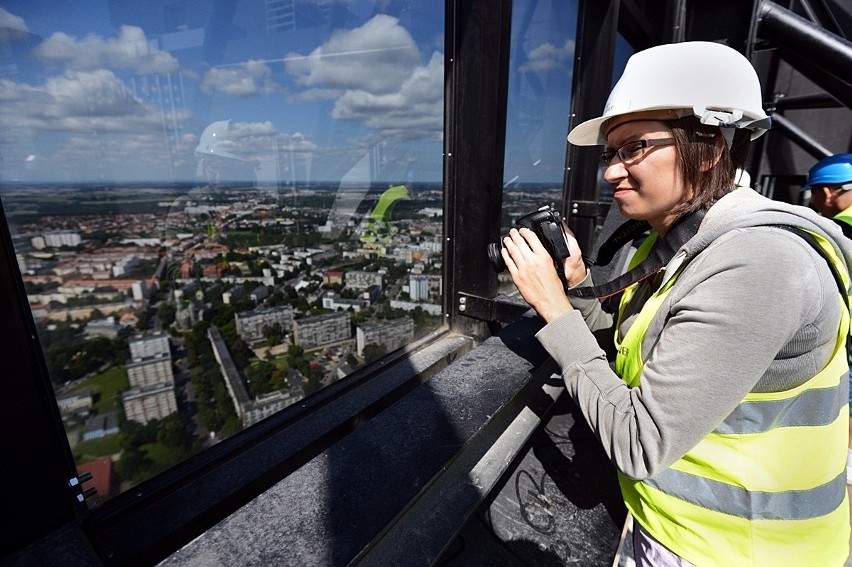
x: 838, y: 279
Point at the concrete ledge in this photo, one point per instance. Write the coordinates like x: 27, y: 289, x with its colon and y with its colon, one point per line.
x: 396, y: 490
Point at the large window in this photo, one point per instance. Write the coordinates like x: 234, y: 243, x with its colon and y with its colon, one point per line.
x: 540, y: 72
x: 539, y: 90
x: 217, y: 208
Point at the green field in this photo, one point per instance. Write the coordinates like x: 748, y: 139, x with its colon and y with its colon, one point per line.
x: 107, y: 386
x: 91, y: 450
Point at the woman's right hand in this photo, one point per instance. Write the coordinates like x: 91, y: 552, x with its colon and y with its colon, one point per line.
x: 531, y: 267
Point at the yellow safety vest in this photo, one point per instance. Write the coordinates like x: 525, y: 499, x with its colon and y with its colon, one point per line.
x: 768, y: 485
x: 844, y: 216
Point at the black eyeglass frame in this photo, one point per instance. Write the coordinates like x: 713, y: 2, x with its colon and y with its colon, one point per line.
x: 631, y: 150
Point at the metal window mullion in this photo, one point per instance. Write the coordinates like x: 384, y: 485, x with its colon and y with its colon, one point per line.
x: 476, y: 90
x: 597, y: 27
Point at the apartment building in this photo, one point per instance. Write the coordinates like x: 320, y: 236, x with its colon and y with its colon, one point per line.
x: 147, y: 403
x: 250, y: 324
x: 149, y: 371
x: 321, y: 330
x: 390, y: 334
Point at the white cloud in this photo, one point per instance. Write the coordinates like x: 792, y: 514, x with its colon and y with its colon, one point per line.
x: 91, y: 93
x: 547, y: 56
x: 311, y: 95
x: 91, y: 101
x: 130, y: 50
x: 415, y: 108
x: 376, y: 58
x: 252, y: 78
x: 376, y: 76
x: 11, y: 21
x: 254, y: 139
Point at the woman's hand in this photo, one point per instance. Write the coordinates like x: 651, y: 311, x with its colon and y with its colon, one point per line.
x: 574, y: 266
x: 532, y: 271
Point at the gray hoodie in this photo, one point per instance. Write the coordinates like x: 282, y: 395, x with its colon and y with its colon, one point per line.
x: 755, y: 309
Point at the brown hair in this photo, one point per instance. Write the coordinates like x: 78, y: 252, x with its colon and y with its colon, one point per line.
x: 698, y: 144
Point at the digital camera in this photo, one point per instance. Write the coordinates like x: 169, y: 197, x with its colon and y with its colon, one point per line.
x: 546, y: 223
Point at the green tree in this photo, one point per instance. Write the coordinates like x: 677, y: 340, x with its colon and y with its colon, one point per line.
x: 240, y: 351
x: 134, y: 434
x: 232, y: 425
x: 259, y: 378
x: 167, y: 312
x: 274, y: 334
x: 373, y: 352
x: 295, y: 356
x: 174, y: 432
x: 134, y: 465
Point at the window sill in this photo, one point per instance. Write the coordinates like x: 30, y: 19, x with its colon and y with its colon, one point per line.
x: 397, y: 490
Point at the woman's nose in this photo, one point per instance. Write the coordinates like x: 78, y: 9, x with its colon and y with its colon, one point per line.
x: 615, y: 171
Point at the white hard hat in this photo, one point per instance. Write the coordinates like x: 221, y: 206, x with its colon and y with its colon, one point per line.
x: 709, y: 80
x: 214, y: 141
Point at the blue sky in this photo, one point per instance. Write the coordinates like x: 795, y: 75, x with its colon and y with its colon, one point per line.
x: 117, y: 91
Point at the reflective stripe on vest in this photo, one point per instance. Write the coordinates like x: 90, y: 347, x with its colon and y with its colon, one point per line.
x: 767, y: 486
x: 752, y: 505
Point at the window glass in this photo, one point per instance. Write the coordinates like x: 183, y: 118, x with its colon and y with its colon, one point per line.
x: 541, y: 61
x: 217, y: 208
x: 623, y: 51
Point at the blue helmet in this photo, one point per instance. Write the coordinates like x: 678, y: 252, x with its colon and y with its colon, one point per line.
x: 833, y: 170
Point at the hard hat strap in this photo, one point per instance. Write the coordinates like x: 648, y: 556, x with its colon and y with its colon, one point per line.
x: 728, y: 134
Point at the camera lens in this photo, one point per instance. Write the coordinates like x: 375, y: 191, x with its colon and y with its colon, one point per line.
x: 495, y: 257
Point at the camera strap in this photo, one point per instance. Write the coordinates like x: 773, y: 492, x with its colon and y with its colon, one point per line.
x: 663, y: 251
x: 625, y: 233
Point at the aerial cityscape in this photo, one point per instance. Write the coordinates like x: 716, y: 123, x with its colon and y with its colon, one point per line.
x: 180, y: 317
x: 211, y: 226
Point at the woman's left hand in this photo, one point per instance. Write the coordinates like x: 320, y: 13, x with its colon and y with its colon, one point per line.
x: 532, y: 271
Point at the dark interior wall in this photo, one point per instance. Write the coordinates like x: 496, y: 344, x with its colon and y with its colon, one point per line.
x: 779, y: 159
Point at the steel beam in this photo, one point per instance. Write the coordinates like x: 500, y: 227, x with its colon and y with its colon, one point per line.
x: 829, y: 56
x: 799, y: 136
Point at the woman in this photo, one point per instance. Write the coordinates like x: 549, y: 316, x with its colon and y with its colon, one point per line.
x: 726, y: 412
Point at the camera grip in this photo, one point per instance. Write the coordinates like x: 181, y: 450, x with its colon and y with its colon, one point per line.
x: 557, y: 240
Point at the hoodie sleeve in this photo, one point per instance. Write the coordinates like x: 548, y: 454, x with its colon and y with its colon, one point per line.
x: 758, y: 309
x: 591, y: 310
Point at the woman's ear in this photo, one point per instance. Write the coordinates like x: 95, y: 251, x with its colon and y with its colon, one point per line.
x: 829, y: 195
x: 718, y: 148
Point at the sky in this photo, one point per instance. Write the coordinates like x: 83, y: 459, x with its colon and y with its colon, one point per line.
x: 119, y: 91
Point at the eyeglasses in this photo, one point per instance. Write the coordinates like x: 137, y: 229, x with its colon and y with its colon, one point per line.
x: 632, y: 150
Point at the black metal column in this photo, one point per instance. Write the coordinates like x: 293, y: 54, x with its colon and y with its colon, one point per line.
x: 799, y: 136
x: 476, y: 83
x: 593, y: 63
x: 37, y: 462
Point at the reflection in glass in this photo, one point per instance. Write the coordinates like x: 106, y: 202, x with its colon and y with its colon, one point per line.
x: 217, y: 209
x: 541, y: 62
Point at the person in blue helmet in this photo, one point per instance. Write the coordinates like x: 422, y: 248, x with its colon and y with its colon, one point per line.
x: 830, y: 183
